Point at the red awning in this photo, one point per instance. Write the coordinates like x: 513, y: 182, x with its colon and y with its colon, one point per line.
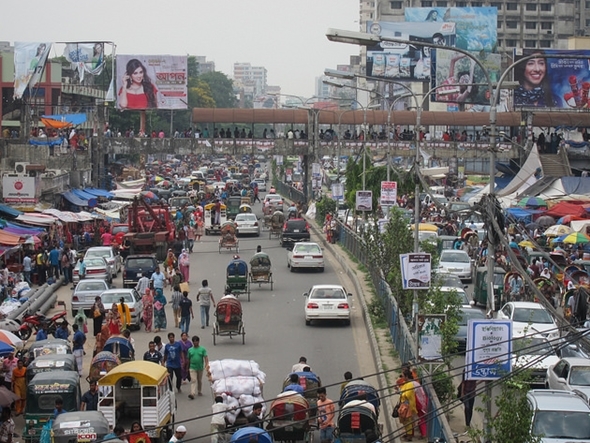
x: 566, y: 208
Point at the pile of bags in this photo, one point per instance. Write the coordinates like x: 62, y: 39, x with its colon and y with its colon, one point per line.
x: 239, y: 383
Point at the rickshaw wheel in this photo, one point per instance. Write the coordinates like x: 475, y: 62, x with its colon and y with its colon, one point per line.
x: 271, y: 282
x: 243, y: 336
x: 213, y: 336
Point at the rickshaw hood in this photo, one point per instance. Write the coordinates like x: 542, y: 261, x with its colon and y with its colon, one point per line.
x: 145, y: 372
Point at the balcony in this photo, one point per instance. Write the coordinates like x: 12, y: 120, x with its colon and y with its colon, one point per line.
x: 88, y: 91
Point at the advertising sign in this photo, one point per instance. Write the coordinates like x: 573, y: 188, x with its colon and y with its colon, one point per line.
x: 430, y: 336
x: 489, y: 349
x: 453, y: 68
x: 29, y: 60
x: 416, y: 269
x: 316, y: 170
x: 151, y: 82
x: 337, y: 191
x: 19, y: 189
x: 401, y: 61
x: 364, y: 201
x: 475, y: 27
x: 553, y: 82
x: 388, y: 193
x: 279, y: 160
x: 86, y: 57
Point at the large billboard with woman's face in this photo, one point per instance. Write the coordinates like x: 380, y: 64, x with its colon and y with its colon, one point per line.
x: 151, y: 82
x: 555, y: 79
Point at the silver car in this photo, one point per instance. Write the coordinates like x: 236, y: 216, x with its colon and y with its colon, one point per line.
x: 97, y: 268
x: 305, y: 255
x: 132, y: 300
x: 107, y: 252
x: 570, y: 374
x: 85, y: 293
x: 247, y: 224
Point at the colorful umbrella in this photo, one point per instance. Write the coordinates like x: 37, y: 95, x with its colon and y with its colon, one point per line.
x: 532, y: 202
x: 526, y: 244
x: 149, y: 194
x: 576, y: 238
x: 7, y: 397
x: 545, y: 221
x: 11, y: 339
x: 557, y: 230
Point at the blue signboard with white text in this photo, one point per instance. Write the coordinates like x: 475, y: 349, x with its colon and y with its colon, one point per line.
x: 489, y: 349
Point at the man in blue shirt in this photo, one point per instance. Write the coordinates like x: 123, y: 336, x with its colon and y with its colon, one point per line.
x: 54, y: 262
x: 82, y: 269
x: 59, y: 408
x: 42, y: 334
x: 172, y: 352
x: 294, y: 384
x: 158, y: 279
x: 62, y: 332
x: 78, y: 340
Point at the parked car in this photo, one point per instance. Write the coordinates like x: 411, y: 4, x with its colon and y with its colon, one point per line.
x: 327, y: 302
x: 247, y: 224
x: 446, y: 279
x: 96, y: 268
x: 535, y: 353
x: 305, y: 255
x: 137, y: 265
x: 294, y: 230
x: 457, y: 262
x: 529, y: 317
x: 570, y: 374
x: 132, y: 300
x: 466, y: 313
x: 85, y: 293
x: 109, y: 255
x: 559, y: 416
x: 461, y: 294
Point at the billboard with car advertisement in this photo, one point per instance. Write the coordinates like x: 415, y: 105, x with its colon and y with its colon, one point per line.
x: 406, y: 62
x: 151, y: 82
x: 560, y: 79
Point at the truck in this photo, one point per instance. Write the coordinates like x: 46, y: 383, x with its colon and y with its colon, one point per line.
x: 151, y: 229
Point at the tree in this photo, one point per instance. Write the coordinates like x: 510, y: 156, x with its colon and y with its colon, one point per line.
x: 200, y: 95
x: 221, y: 88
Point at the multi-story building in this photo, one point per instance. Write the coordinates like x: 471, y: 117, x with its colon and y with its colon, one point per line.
x: 251, y: 76
x: 204, y: 66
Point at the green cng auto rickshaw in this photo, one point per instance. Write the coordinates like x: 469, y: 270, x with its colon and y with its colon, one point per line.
x: 51, y: 363
x: 42, y: 391
x: 480, y: 290
x: 80, y: 427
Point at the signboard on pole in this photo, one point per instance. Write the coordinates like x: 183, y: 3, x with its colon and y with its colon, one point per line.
x: 415, y: 270
x: 430, y: 336
x: 20, y: 189
x: 279, y: 160
x: 338, y: 191
x: 364, y: 201
x: 316, y: 170
x: 489, y: 349
x: 388, y: 194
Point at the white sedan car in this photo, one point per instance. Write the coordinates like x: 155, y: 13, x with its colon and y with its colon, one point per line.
x: 455, y: 261
x: 570, y: 374
x: 327, y: 302
x: 106, y: 252
x: 247, y: 224
x: 529, y: 318
x: 305, y: 255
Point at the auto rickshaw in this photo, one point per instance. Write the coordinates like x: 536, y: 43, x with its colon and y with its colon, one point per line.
x: 260, y: 269
x: 79, y: 427
x: 480, y: 290
x: 139, y: 391
x: 49, y: 346
x: 237, y: 277
x: 42, y: 391
x: 51, y: 363
x: 101, y: 364
x: 209, y: 218
x: 233, y: 206
x: 246, y: 209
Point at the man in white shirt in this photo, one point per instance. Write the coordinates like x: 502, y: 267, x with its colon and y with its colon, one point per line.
x: 218, y: 424
x: 298, y: 367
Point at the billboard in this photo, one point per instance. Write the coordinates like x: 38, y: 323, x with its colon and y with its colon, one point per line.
x: 86, y: 57
x: 20, y: 189
x: 29, y: 60
x: 416, y: 270
x: 475, y: 28
x: 553, y: 82
x: 151, y: 82
x: 489, y: 349
x: 454, y: 68
x: 399, y: 61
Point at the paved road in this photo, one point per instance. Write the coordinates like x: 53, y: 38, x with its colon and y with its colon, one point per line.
x: 276, y: 334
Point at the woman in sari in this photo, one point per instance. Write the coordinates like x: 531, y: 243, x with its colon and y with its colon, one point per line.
x: 159, y: 311
x: 170, y: 260
x: 408, y: 398
x: 19, y: 386
x: 113, y: 321
x: 103, y: 335
x: 137, y: 434
x: 148, y: 308
x: 184, y: 261
x: 185, y: 344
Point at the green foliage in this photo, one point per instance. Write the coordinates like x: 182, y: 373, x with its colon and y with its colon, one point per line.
x: 377, y: 312
x: 514, y: 418
x: 222, y: 89
x: 324, y: 206
x: 442, y: 382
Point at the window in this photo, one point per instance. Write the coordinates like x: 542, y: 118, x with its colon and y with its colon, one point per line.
x: 530, y: 25
x: 510, y: 43
x: 531, y: 6
x: 512, y: 6
x: 587, y: 22
x: 530, y: 43
x: 587, y: 5
x: 545, y: 44
x: 546, y: 7
x: 497, y: 5
x: 426, y: 4
x: 396, y: 5
x: 546, y: 25
x: 511, y: 25
x: 499, y: 25
x: 476, y: 4
x: 460, y: 4
x: 441, y: 3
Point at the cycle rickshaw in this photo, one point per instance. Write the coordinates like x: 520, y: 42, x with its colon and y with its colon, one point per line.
x: 260, y: 270
x: 237, y: 277
x: 276, y: 224
x: 228, y: 318
x: 229, y: 239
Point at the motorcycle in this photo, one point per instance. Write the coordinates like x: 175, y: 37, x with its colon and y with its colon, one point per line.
x: 35, y: 321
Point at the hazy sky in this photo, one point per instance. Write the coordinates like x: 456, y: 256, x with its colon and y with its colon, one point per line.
x: 285, y: 36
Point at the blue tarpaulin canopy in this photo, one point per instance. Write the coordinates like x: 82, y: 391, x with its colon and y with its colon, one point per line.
x: 91, y: 199
x: 74, y: 199
x: 99, y: 192
x: 75, y: 119
x: 10, y: 212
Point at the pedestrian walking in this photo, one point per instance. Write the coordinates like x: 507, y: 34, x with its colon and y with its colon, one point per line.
x: 152, y: 354
x: 205, y: 296
x: 172, y: 352
x: 159, y: 311
x: 176, y: 298
x: 325, y: 414
x: 27, y: 267
x: 98, y: 314
x: 186, y: 312
x: 197, y: 360
x: 19, y: 386
x: 184, y: 262
x: 89, y: 401
x: 467, y: 392
x: 148, y: 307
x: 78, y: 341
